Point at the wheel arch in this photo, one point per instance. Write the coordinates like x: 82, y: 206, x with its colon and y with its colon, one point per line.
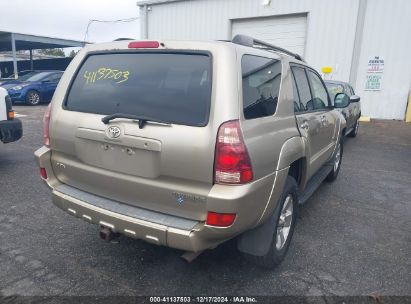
x: 298, y: 170
x: 294, y: 157
x: 292, y: 162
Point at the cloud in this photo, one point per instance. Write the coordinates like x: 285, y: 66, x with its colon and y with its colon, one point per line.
x: 69, y: 19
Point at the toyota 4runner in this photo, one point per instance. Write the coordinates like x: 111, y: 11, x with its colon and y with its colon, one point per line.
x: 190, y: 144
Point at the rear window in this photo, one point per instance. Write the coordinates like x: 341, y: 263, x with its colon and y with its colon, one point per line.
x: 172, y: 87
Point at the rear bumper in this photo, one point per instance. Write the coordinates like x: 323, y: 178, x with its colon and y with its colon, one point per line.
x: 10, y: 130
x: 153, y: 227
x: 251, y: 203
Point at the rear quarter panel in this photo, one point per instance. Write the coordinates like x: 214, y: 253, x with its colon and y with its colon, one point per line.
x: 266, y: 136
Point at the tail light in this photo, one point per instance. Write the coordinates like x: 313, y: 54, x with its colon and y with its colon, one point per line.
x: 232, y: 163
x: 9, y: 108
x: 143, y: 45
x: 10, y: 115
x: 46, y: 126
x: 220, y: 219
x: 43, y: 173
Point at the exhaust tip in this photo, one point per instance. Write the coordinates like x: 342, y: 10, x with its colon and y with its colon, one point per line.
x: 107, y: 234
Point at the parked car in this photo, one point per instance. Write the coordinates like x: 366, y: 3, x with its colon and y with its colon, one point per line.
x: 33, y: 88
x: 352, y: 113
x: 190, y: 144
x: 10, y: 128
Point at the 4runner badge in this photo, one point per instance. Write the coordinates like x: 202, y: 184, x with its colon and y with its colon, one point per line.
x: 182, y: 197
x: 113, y: 132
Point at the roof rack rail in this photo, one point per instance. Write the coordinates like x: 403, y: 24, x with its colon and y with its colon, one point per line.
x: 252, y: 42
x: 122, y: 39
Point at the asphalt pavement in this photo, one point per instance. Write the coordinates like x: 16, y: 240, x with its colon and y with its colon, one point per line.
x: 353, y: 237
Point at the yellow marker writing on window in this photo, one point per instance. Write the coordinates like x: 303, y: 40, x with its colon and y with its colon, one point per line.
x: 103, y: 73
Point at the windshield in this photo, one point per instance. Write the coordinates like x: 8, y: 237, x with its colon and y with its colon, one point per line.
x: 173, y: 87
x: 34, y: 76
x: 334, y: 89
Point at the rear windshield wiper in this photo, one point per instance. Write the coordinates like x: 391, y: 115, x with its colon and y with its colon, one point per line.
x: 142, y: 120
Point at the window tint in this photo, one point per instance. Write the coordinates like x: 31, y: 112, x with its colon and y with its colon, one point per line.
x: 319, y: 92
x: 261, y: 85
x: 172, y: 87
x: 303, y: 88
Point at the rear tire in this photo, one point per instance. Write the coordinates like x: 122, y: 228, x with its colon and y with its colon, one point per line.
x: 354, y: 131
x: 336, y: 162
x: 285, y: 218
x: 33, y: 98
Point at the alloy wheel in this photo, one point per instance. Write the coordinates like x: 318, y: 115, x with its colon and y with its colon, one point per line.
x: 34, y: 98
x: 337, y: 157
x: 284, y: 222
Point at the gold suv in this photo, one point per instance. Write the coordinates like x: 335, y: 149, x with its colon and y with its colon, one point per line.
x: 189, y: 144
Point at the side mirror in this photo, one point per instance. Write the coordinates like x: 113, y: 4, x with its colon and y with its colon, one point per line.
x: 355, y: 98
x: 341, y: 100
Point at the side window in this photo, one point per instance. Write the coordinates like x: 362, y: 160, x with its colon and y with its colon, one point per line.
x: 320, y: 95
x: 303, y: 88
x: 334, y: 89
x: 261, y: 85
x: 347, y: 90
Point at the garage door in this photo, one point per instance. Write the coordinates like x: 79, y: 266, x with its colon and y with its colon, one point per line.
x: 285, y: 31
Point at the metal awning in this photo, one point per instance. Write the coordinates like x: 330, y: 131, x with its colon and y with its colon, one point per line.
x: 154, y: 2
x: 14, y: 42
x: 33, y: 42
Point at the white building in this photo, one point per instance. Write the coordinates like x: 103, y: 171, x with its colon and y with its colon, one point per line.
x: 366, y: 42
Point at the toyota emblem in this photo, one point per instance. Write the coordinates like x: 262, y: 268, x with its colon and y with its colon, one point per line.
x: 113, y: 132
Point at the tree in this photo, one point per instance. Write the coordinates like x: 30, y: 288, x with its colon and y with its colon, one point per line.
x: 52, y: 52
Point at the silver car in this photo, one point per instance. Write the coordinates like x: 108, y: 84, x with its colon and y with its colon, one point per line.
x: 352, y: 112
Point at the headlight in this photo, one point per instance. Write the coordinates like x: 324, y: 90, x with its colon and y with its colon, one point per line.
x: 19, y: 87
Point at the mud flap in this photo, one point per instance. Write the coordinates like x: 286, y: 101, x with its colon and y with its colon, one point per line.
x: 257, y: 241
